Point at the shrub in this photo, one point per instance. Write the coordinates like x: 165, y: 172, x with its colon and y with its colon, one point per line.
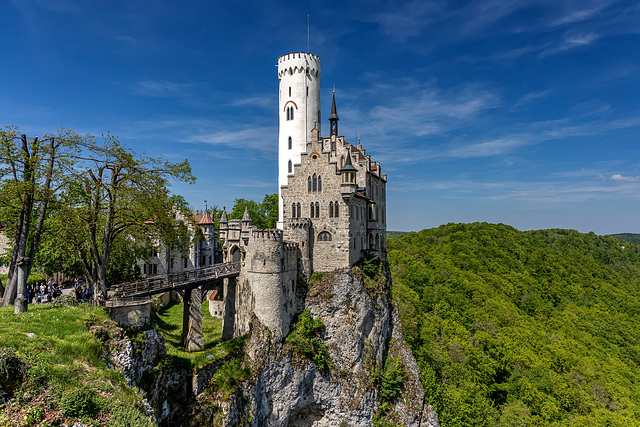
x: 12, y: 370
x: 392, y: 379
x: 127, y: 416
x: 80, y: 403
x: 304, y: 340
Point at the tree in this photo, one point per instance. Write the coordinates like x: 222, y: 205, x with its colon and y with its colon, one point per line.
x: 263, y: 215
x: 118, y: 198
x: 29, y: 173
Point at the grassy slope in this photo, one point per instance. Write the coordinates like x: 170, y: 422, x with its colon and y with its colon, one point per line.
x: 62, y: 356
x: 522, y: 328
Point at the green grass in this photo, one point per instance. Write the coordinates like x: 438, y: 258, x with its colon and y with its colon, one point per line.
x: 168, y: 322
x: 62, y: 354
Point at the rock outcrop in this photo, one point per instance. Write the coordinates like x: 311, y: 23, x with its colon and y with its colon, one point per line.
x: 361, y: 332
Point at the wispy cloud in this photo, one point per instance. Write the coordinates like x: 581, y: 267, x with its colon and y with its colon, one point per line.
x: 571, y: 41
x: 619, y: 177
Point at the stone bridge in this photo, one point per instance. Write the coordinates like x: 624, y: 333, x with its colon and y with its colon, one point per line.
x: 190, y: 285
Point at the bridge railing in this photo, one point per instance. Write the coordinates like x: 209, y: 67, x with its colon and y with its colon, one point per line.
x: 166, y: 282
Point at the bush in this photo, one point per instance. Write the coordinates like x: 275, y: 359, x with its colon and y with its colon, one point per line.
x: 126, y: 416
x: 80, y: 403
x: 392, y: 379
x: 304, y: 340
x: 12, y: 370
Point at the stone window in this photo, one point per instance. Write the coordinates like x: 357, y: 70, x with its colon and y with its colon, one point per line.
x: 290, y: 166
x: 325, y: 236
x: 341, y: 162
x: 315, y: 183
x: 293, y: 210
x: 309, y: 185
x: 330, y: 209
x: 185, y: 263
x: 311, y: 210
x: 289, y: 90
x: 290, y: 143
x: 299, y: 212
x: 335, y: 212
x: 317, y: 210
x: 319, y: 183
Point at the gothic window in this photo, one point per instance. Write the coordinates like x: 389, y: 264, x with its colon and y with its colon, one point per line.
x: 330, y: 209
x: 290, y: 143
x: 299, y: 213
x: 341, y: 162
x: 311, y: 210
x: 325, y: 236
x: 291, y: 113
x: 289, y: 90
x: 319, y: 183
x: 293, y: 210
x: 290, y: 166
x: 287, y: 113
x: 317, y: 210
x: 309, y: 185
x: 336, y: 213
x: 333, y: 145
x: 315, y: 183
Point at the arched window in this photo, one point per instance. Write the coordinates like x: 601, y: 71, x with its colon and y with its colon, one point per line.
x: 291, y: 113
x: 330, y: 209
x: 341, y: 162
x: 317, y: 210
x: 293, y: 210
x: 336, y: 213
x: 315, y: 183
x: 287, y: 113
x: 309, y: 185
x: 311, y: 210
x: 333, y: 145
x: 290, y: 166
x: 319, y: 183
x: 289, y: 90
x: 290, y: 143
x: 325, y: 236
x: 299, y: 213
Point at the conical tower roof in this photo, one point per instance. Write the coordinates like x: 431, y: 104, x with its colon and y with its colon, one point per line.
x: 246, y: 217
x: 334, y: 114
x: 348, y: 166
x: 223, y: 217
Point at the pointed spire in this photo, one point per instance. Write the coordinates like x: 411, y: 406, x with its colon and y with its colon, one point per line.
x: 223, y: 217
x: 334, y: 114
x: 348, y: 165
x: 245, y: 216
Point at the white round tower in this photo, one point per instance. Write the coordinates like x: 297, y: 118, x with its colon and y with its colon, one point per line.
x: 299, y: 109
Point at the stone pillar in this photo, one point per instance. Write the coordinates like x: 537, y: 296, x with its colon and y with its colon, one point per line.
x: 20, y: 303
x: 229, y: 315
x: 192, y: 337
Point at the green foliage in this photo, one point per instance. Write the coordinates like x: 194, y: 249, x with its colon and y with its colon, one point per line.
x: 392, y: 380
x: 127, y: 416
x: 12, y: 369
x: 263, y: 215
x: 628, y: 237
x: 521, y: 328
x: 80, y: 403
x: 304, y: 340
x: 228, y: 376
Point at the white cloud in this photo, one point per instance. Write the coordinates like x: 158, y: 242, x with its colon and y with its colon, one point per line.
x: 619, y: 177
x: 164, y: 89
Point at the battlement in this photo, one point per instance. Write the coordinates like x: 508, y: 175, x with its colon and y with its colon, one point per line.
x: 291, y: 247
x: 267, y: 234
x: 299, y: 62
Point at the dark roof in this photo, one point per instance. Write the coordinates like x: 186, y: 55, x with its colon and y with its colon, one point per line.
x: 348, y: 166
x: 334, y: 114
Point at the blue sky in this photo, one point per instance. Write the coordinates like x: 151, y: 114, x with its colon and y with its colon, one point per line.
x: 520, y: 112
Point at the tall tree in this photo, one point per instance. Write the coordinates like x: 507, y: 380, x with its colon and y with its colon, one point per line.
x: 117, y: 196
x: 29, y: 175
x: 263, y: 215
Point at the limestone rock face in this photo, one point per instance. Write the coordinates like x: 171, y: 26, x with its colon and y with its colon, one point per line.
x: 134, y: 358
x: 361, y: 330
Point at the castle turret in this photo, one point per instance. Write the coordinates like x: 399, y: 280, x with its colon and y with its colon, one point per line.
x: 299, y: 107
x: 349, y: 183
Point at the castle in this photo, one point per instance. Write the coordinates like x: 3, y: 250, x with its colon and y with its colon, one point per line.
x: 332, y: 210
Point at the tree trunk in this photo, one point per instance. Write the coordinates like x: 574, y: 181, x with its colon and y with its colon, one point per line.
x: 20, y: 303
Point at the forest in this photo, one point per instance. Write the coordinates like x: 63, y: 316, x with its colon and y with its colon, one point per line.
x: 511, y: 328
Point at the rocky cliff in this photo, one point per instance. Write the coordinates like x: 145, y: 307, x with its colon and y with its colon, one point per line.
x: 370, y: 376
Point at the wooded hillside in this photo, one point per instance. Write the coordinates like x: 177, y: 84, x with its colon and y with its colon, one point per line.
x: 518, y: 328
